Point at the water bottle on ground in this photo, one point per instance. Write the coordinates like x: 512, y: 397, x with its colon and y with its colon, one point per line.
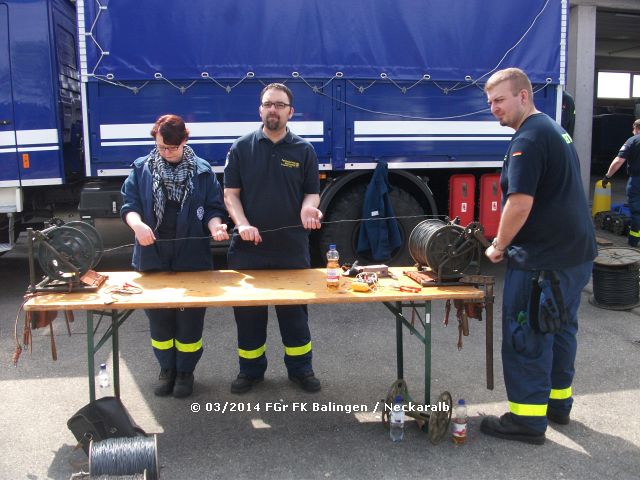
x: 396, y: 420
x: 459, y: 423
x: 104, y: 382
x: 333, y: 267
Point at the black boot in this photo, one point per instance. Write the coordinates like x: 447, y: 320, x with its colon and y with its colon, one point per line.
x: 307, y: 381
x: 558, y: 418
x: 505, y: 428
x: 244, y: 383
x: 184, y: 385
x: 166, y: 380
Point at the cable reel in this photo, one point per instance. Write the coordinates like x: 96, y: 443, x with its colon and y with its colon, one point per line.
x: 65, y: 253
x: 446, y: 248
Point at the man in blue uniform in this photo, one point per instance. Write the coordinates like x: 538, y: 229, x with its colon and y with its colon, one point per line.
x: 546, y: 235
x: 630, y: 152
x: 271, y: 181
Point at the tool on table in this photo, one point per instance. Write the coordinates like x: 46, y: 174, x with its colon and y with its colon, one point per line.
x: 365, y: 282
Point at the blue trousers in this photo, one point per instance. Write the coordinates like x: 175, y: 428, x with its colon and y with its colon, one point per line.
x: 633, y: 196
x: 176, y: 336
x: 176, y: 333
x: 539, y: 368
x: 251, y: 322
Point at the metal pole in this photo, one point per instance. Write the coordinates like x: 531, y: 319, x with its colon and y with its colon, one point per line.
x: 399, y: 349
x: 427, y: 352
x: 116, y: 353
x: 489, y: 333
x: 90, y: 357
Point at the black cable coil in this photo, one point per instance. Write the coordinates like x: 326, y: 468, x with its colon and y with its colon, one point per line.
x: 616, y: 287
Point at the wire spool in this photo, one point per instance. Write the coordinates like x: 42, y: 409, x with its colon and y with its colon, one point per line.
x: 433, y: 243
x: 615, y: 279
x: 125, y: 456
x: 93, y: 236
x: 72, y: 246
x: 140, y: 476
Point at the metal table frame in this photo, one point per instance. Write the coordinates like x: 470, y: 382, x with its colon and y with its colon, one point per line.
x: 118, y: 317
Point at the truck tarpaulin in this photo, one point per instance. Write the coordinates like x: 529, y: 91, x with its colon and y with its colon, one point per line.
x: 404, y: 39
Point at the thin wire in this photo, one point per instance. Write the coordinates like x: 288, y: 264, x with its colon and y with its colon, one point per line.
x: 106, y: 250
x: 411, y: 117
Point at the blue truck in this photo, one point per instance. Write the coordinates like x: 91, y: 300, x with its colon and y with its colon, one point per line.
x: 373, y: 80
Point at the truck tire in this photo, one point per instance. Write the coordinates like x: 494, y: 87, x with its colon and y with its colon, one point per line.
x: 348, y: 206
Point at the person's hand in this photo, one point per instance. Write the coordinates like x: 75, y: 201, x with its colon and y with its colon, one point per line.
x: 493, y: 254
x: 310, y: 217
x: 249, y: 234
x: 605, y: 181
x: 144, y: 234
x: 219, y: 232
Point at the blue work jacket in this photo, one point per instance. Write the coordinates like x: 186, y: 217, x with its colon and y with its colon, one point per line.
x: 378, y: 238
x: 204, y: 203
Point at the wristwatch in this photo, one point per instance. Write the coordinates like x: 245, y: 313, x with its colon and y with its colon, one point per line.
x: 494, y: 244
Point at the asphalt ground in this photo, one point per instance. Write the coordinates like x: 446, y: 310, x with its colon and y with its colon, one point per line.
x: 354, y: 356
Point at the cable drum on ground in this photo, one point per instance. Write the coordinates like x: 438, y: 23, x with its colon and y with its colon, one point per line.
x: 123, y: 457
x: 616, y: 279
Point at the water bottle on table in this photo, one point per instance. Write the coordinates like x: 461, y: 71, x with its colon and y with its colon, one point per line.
x: 333, y: 267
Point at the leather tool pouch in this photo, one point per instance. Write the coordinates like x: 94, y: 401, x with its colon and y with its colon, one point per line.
x: 104, y: 418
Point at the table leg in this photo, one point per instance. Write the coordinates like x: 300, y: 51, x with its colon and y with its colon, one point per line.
x: 117, y: 318
x: 424, y: 337
x: 399, y: 345
x: 427, y: 353
x: 115, y: 352
x: 90, y: 357
x: 489, y: 298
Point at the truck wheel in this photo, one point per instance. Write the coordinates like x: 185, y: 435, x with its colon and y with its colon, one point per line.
x: 348, y: 206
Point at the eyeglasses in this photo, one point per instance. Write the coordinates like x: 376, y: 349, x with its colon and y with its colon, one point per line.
x: 171, y: 148
x: 278, y: 105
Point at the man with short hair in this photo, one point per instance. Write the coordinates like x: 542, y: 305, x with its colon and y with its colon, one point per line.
x: 271, y: 181
x: 630, y: 152
x: 547, y: 236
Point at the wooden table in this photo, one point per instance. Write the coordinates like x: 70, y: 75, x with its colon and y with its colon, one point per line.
x: 230, y: 288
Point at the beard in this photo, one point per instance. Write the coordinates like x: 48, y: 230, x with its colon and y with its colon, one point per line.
x: 272, y: 123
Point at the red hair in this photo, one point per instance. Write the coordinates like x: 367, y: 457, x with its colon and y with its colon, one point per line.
x: 172, y: 129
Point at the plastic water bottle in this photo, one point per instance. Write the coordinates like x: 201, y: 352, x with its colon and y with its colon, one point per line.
x: 333, y: 267
x: 104, y: 382
x: 459, y: 423
x: 396, y: 431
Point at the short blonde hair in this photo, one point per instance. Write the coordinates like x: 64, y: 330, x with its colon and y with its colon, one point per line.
x: 519, y: 81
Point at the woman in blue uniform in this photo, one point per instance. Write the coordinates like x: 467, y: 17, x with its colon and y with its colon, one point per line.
x: 173, y: 202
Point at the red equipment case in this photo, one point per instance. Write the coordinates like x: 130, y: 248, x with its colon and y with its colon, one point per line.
x: 462, y: 198
x: 490, y: 203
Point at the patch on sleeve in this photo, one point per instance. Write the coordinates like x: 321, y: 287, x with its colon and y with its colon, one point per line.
x: 516, y: 154
x: 567, y: 138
